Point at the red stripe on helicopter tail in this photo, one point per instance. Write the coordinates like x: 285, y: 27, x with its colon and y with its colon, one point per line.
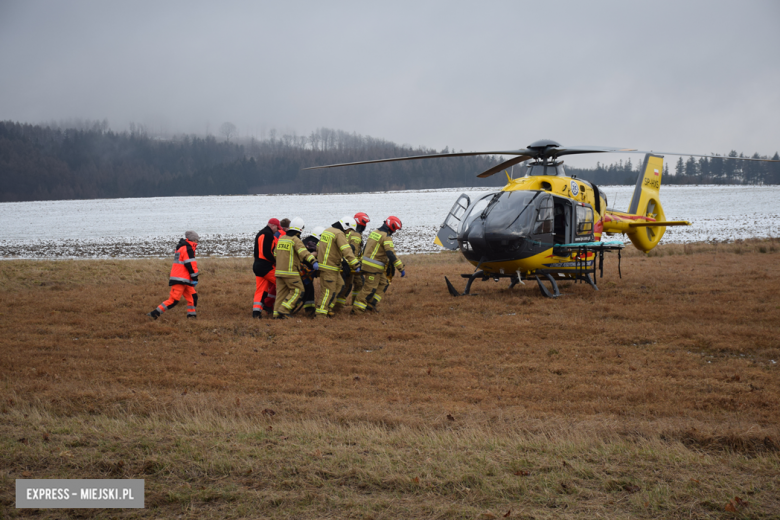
x: 618, y: 218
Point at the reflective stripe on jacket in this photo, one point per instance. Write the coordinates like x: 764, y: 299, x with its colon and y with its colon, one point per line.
x: 185, y: 268
x: 379, y: 248
x: 333, y: 246
x: 290, y: 252
x: 355, y: 240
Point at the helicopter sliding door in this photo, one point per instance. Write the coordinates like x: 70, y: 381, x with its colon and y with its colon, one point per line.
x: 545, y: 222
x: 544, y: 216
x: 448, y: 233
x: 572, y: 221
x: 562, y: 220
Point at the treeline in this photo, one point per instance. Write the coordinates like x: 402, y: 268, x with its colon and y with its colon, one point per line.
x: 91, y: 161
x: 49, y: 163
x: 704, y: 170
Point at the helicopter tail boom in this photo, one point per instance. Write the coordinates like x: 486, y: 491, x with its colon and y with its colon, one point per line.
x: 666, y: 223
x: 644, y: 222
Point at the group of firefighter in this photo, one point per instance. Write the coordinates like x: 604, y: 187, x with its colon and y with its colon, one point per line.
x: 286, y: 265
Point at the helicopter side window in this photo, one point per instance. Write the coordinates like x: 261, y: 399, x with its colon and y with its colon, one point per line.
x: 554, y: 169
x: 544, y: 219
x: 584, y: 220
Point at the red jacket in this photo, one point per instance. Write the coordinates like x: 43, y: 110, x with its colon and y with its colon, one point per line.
x: 185, y: 268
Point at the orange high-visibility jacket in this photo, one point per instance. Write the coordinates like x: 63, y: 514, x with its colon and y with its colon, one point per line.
x: 185, y: 268
x: 265, y: 243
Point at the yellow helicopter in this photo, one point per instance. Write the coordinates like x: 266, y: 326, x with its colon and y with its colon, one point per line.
x: 545, y: 224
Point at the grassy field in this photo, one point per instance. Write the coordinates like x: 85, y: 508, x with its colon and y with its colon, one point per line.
x: 655, y: 397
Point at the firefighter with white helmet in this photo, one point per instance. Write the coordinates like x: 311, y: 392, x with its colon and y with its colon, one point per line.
x: 353, y: 282
x: 377, y: 255
x: 317, y: 232
x: 290, y: 253
x: 332, y: 249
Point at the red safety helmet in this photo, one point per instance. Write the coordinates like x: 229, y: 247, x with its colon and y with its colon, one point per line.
x: 361, y: 219
x: 394, y: 223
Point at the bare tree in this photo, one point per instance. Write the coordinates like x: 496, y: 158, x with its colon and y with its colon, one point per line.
x: 228, y: 130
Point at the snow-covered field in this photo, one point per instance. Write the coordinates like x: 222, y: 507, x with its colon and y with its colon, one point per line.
x: 133, y: 228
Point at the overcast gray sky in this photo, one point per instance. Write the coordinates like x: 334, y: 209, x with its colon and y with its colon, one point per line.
x: 687, y: 76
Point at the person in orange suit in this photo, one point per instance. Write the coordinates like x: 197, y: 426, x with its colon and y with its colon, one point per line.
x: 183, y: 277
x: 269, y: 299
x: 264, y: 266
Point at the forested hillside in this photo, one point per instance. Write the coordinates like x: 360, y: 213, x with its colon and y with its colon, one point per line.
x: 50, y: 163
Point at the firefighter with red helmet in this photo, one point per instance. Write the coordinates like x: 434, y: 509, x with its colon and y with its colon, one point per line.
x: 264, y: 266
x: 183, y: 277
x: 290, y: 253
x: 332, y: 249
x: 378, y: 254
x: 353, y: 282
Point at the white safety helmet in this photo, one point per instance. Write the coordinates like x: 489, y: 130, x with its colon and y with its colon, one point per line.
x: 296, y: 224
x: 348, y: 222
x: 317, y: 232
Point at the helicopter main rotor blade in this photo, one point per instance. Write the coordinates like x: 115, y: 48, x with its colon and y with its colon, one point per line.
x: 415, y: 157
x: 504, y: 165
x: 545, y: 150
x: 572, y: 150
x: 596, y: 149
x: 708, y: 156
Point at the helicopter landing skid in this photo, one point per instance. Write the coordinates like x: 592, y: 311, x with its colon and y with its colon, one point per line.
x: 466, y: 292
x: 586, y: 277
x: 545, y: 291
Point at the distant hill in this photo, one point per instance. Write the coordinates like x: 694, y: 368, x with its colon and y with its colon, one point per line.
x: 51, y: 163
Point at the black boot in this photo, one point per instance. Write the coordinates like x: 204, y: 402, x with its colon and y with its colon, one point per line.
x: 154, y: 314
x: 257, y: 314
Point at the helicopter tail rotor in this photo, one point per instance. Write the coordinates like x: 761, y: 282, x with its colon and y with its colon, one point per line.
x: 646, y: 202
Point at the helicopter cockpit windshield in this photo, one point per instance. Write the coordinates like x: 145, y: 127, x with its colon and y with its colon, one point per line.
x: 510, y: 214
x: 499, y: 223
x: 474, y: 212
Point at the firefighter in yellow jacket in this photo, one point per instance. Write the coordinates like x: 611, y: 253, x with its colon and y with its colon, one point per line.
x: 290, y: 252
x: 331, y: 250
x: 353, y: 282
x: 378, y: 252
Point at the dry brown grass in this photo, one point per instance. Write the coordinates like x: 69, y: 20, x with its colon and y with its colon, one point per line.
x: 655, y: 396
